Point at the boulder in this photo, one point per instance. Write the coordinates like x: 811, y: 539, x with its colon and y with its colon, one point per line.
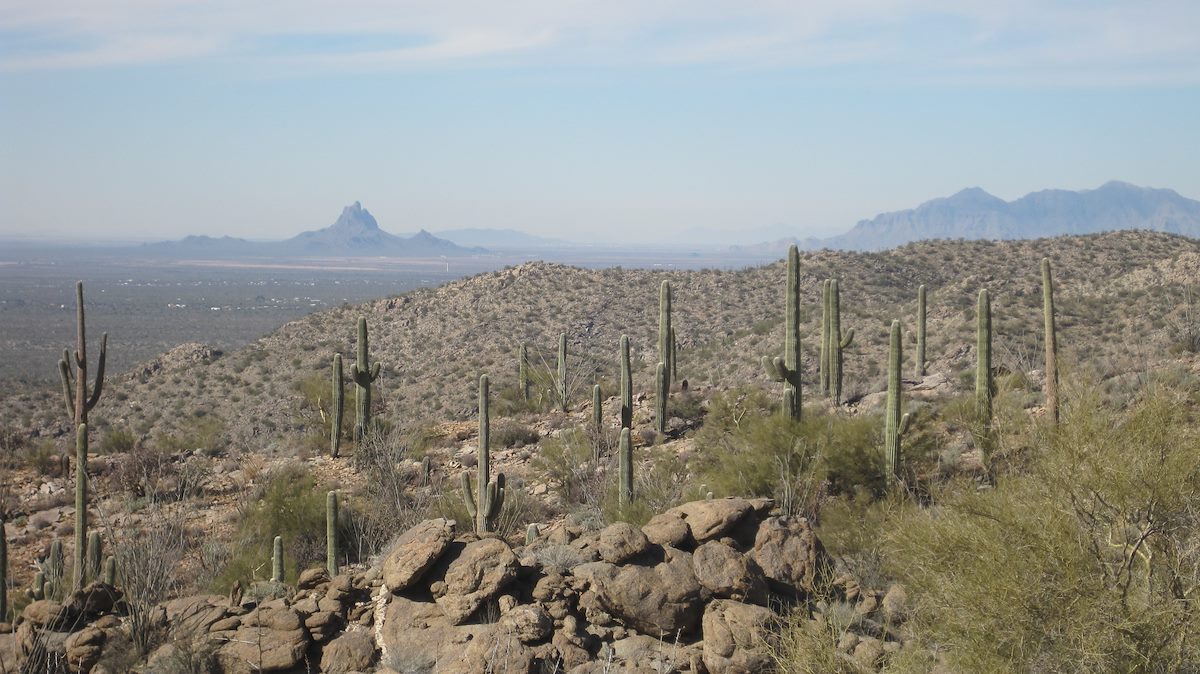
x: 530, y: 623
x: 669, y: 530
x: 415, y: 552
x: 261, y: 649
x: 662, y: 599
x: 735, y: 637
x: 621, y: 542
x: 728, y: 574
x: 480, y: 571
x: 791, y: 556
x: 83, y: 648
x: 350, y: 652
x: 712, y: 518
x: 311, y: 579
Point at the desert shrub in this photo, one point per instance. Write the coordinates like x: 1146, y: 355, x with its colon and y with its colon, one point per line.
x: 566, y: 459
x: 43, y: 457
x: 290, y: 505
x: 117, y: 440
x: 394, y: 499
x: 747, y: 448
x: 509, y: 433
x: 1083, y: 564
x: 660, y: 481
x: 206, y: 433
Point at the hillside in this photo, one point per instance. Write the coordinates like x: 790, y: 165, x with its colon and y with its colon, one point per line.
x: 974, y: 214
x: 748, y: 539
x: 1120, y: 295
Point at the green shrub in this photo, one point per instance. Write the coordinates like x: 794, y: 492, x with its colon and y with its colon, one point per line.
x: 117, y: 440
x: 1082, y: 564
x: 289, y: 505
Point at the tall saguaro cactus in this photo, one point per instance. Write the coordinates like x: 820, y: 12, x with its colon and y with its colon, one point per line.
x: 94, y: 558
x: 597, y: 422
x: 331, y: 533
x: 894, y: 424
x: 662, y: 391
x: 485, y: 507
x: 363, y: 375
x: 79, y: 402
x: 338, y: 405
x: 920, y: 359
x: 3, y: 572
x: 562, y: 371
x: 523, y: 372
x: 983, y: 362
x: 665, y: 334
x: 823, y: 366
x: 626, y: 385
x: 625, y: 468
x: 1051, y: 342
x: 836, y: 342
x: 787, y: 369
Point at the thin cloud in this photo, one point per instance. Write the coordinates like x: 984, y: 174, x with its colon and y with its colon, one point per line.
x: 1151, y: 40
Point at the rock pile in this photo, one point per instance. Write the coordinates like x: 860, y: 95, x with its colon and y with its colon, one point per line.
x: 694, y: 590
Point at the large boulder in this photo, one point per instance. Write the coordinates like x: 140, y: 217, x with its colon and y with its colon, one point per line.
x: 736, y: 637
x: 415, y: 552
x: 417, y: 637
x: 712, y: 518
x: 728, y: 574
x: 261, y: 649
x: 669, y: 530
x: 350, y: 652
x: 480, y: 571
x: 621, y: 542
x: 791, y: 556
x: 660, y: 599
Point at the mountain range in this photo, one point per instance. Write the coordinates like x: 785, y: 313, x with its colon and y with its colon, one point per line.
x: 972, y: 213
x: 355, y: 233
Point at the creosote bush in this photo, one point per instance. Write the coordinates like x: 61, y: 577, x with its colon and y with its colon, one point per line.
x: 291, y: 505
x: 1089, y: 561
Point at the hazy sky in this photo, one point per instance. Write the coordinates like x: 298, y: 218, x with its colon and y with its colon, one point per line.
x: 153, y: 119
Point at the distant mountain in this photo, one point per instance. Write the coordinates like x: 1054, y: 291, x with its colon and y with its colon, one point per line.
x: 355, y: 234
x: 500, y: 238
x: 974, y: 214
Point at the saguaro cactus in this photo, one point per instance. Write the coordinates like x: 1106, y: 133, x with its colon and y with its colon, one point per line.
x: 331, y: 533
x: 626, y: 385
x: 3, y: 572
x: 823, y: 365
x: 95, y: 553
x: 485, y: 507
x: 363, y: 375
x: 664, y: 327
x: 81, y: 500
x: 562, y: 371
x: 54, y: 570
x: 894, y: 424
x: 79, y: 403
x: 109, y: 575
x: 787, y: 369
x: 674, y: 355
x: 1051, y: 342
x: 983, y: 361
x: 277, y: 560
x: 338, y: 404
x: 837, y: 342
x: 919, y: 370
x: 597, y: 422
x: 523, y: 372
x: 662, y: 391
x: 625, y: 468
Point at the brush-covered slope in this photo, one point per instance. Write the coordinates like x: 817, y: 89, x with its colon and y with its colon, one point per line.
x: 1121, y: 304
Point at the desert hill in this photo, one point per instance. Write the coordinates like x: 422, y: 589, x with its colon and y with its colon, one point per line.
x: 1120, y: 296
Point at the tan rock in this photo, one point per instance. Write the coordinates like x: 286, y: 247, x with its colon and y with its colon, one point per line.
x: 350, y: 652
x: 415, y: 552
x: 479, y: 573
x: 621, y: 542
x: 728, y: 574
x: 735, y: 637
x: 712, y: 518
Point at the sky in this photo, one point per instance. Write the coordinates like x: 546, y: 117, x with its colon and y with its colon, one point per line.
x: 591, y: 121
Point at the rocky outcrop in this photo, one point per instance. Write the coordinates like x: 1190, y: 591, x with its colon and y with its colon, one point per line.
x: 694, y: 590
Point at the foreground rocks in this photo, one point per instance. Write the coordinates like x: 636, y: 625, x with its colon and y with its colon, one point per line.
x: 695, y: 590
